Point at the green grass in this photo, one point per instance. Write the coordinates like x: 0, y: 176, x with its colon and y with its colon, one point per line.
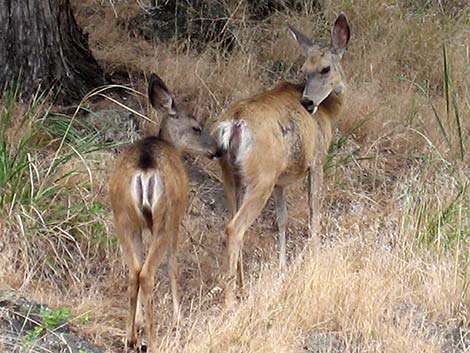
x: 336, y: 154
x: 436, y: 206
x: 15, y: 160
x: 50, y: 217
x: 26, y: 174
x: 450, y: 123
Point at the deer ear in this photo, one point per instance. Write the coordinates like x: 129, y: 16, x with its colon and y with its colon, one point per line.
x: 301, y: 38
x: 160, y: 96
x: 340, y: 34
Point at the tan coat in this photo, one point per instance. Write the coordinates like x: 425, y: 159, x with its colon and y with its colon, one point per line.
x: 285, y: 138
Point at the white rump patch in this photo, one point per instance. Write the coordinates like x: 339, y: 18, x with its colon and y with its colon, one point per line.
x: 224, y: 135
x: 224, y: 131
x: 146, y: 190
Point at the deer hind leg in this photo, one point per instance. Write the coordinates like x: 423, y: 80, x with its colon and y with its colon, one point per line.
x: 147, y: 279
x: 281, y: 215
x: 315, y: 181
x: 139, y: 317
x: 128, y: 239
x: 238, y: 201
x: 240, y: 277
x: 233, y: 191
x: 173, y: 273
x: 254, y: 200
x: 229, y: 186
x: 232, y: 186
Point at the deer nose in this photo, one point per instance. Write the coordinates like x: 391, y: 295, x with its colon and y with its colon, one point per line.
x: 309, y: 105
x: 216, y: 155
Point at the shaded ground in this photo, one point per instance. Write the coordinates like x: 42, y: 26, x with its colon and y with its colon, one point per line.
x: 26, y: 326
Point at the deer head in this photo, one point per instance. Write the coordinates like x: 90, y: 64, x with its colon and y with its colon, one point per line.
x: 322, y: 68
x: 179, y: 127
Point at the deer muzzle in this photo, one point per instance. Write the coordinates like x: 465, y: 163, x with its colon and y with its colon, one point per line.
x: 309, y: 105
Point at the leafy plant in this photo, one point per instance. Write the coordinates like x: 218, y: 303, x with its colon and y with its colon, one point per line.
x: 29, y: 339
x: 52, y: 319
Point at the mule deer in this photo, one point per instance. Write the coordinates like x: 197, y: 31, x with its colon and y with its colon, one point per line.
x: 272, y: 139
x: 148, y: 190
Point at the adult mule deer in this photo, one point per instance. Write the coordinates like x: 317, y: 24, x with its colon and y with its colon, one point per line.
x: 272, y: 139
x: 148, y: 189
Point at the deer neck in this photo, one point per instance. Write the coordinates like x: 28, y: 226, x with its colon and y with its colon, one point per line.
x: 334, y: 102
x: 164, y: 134
x: 331, y: 107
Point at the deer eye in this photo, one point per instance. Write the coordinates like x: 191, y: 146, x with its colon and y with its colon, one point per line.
x: 197, y: 130
x: 325, y: 70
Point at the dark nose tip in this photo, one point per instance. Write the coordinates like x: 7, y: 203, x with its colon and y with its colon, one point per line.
x: 308, y: 104
x: 217, y: 154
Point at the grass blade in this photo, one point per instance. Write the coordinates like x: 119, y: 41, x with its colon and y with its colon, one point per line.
x: 434, y: 110
x: 459, y: 127
x: 446, y: 82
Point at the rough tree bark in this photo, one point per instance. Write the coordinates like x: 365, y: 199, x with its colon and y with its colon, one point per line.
x: 42, y: 46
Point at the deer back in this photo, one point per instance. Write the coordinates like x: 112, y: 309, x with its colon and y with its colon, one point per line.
x: 149, y: 178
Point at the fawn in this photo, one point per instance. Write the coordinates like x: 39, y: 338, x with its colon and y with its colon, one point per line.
x: 272, y: 139
x: 148, y: 190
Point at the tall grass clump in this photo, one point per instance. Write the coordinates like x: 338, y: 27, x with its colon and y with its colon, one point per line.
x: 15, y: 180
x: 449, y: 129
x: 52, y: 220
x: 439, y: 197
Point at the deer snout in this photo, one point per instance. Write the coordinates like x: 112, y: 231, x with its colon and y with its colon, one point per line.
x: 216, y: 155
x: 309, y: 105
x: 214, y: 151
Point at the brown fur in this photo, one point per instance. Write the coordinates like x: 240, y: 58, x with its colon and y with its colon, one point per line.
x: 168, y: 165
x: 148, y: 191
x: 286, y: 136
x: 282, y: 142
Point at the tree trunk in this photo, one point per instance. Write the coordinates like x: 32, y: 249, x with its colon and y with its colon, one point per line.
x: 42, y: 47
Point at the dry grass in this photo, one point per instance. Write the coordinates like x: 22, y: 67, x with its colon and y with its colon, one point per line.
x: 364, y: 295
x: 392, y: 274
